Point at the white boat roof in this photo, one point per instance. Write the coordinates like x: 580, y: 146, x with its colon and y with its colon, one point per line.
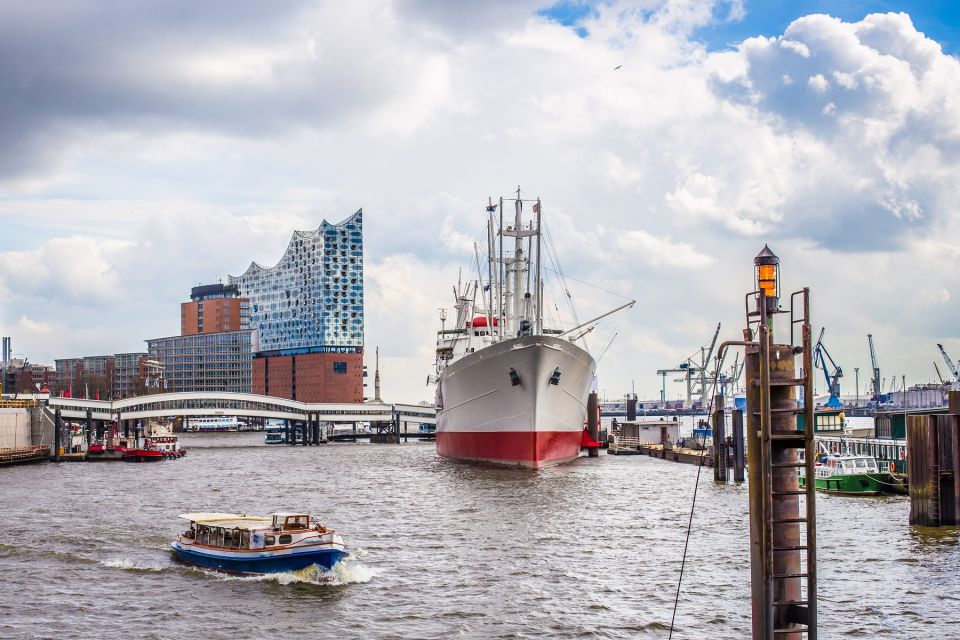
x: 228, y: 520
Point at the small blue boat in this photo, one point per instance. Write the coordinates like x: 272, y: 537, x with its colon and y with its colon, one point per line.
x: 249, y: 544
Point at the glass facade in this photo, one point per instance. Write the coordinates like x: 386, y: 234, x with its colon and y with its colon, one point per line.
x: 206, y: 361
x: 312, y: 299
x: 126, y: 370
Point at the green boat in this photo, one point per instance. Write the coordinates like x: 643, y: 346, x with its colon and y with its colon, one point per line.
x: 849, y: 475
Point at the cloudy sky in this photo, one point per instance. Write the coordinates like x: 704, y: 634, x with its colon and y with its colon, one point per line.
x: 149, y: 146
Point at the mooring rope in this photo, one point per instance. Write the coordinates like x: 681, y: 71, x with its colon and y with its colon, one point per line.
x: 686, y: 542
x: 696, y: 486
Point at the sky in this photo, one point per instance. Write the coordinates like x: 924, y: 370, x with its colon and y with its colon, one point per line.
x: 152, y: 146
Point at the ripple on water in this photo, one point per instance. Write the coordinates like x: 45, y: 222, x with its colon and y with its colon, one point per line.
x: 591, y: 549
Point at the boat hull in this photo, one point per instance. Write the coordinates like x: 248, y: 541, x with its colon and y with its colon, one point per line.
x: 105, y: 455
x: 487, y: 418
x: 256, y: 562
x: 848, y: 485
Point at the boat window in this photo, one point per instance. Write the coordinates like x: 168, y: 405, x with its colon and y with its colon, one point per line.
x: 270, y: 540
x: 295, y: 522
x: 286, y: 538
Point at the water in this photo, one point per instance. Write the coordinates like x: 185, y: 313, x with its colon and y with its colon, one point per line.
x: 585, y: 550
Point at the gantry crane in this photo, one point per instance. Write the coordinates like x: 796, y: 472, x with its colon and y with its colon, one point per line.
x: 823, y: 361
x: 875, y: 382
x: 955, y: 383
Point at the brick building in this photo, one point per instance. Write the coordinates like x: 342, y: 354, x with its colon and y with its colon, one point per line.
x: 214, y: 308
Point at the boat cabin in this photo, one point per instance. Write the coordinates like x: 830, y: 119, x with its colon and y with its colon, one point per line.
x: 846, y: 466
x: 231, y: 531
x: 290, y: 521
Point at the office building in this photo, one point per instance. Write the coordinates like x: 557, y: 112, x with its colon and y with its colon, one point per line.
x: 214, y: 308
x: 204, y: 361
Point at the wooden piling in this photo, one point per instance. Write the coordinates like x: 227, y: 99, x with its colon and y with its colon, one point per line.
x: 738, y: 453
x: 57, y: 435
x: 719, y: 440
x: 89, y: 427
x: 933, y: 454
x: 593, y: 422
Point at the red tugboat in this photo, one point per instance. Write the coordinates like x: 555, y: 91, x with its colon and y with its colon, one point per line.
x: 160, y: 444
x: 111, y: 448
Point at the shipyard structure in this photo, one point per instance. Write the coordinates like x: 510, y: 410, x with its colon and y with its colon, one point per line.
x: 307, y: 311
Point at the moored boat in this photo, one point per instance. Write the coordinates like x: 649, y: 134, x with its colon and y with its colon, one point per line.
x: 852, y: 475
x: 251, y: 544
x: 511, y: 390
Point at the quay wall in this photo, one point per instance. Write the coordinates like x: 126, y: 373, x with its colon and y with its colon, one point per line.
x: 16, y: 428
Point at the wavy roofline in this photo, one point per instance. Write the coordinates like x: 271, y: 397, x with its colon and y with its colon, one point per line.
x: 255, y: 266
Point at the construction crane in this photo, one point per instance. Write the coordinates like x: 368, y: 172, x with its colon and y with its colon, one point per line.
x: 952, y: 366
x: 875, y: 382
x: 938, y: 371
x: 831, y: 372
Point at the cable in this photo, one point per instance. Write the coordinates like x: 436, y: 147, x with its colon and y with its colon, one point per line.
x: 693, y: 505
x: 590, y: 284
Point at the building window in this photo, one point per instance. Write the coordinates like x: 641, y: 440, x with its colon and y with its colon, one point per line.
x: 339, y: 367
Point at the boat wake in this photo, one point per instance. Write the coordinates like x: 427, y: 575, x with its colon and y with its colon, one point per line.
x: 347, y: 571
x: 129, y: 565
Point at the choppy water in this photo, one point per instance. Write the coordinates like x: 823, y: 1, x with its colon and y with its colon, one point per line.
x: 586, y: 550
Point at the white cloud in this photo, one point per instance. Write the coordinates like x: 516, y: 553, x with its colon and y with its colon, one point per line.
x: 837, y: 142
x: 658, y: 250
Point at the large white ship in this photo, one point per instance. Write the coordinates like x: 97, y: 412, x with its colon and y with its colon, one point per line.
x: 510, y: 390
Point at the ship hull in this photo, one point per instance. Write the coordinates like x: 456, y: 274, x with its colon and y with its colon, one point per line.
x: 485, y: 417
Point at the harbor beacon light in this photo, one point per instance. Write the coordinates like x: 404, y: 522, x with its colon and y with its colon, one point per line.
x: 767, y: 270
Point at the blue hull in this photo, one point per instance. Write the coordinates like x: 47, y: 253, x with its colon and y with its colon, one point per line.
x: 324, y: 558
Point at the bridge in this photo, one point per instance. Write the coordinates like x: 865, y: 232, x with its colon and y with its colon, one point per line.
x: 214, y: 403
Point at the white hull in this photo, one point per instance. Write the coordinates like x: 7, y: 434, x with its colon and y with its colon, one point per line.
x: 535, y: 423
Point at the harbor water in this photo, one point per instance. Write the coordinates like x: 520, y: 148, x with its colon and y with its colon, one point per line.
x: 590, y: 549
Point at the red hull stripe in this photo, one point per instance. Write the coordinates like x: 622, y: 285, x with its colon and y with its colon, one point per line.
x: 528, y: 448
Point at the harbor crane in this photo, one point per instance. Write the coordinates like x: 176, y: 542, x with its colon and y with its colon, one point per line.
x: 875, y: 381
x: 938, y: 371
x: 696, y: 373
x: 952, y: 366
x: 831, y: 371
x: 732, y: 379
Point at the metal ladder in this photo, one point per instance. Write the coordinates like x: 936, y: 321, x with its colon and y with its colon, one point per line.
x: 801, y: 611
x: 935, y: 494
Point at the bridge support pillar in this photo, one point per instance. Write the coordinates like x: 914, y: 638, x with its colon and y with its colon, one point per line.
x: 89, y: 427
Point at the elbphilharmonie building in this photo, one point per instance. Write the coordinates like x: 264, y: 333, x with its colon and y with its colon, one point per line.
x: 308, y: 312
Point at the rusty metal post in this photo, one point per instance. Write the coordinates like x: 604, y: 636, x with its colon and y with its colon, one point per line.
x: 773, y: 488
x: 593, y: 422
x: 751, y: 371
x: 786, y: 486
